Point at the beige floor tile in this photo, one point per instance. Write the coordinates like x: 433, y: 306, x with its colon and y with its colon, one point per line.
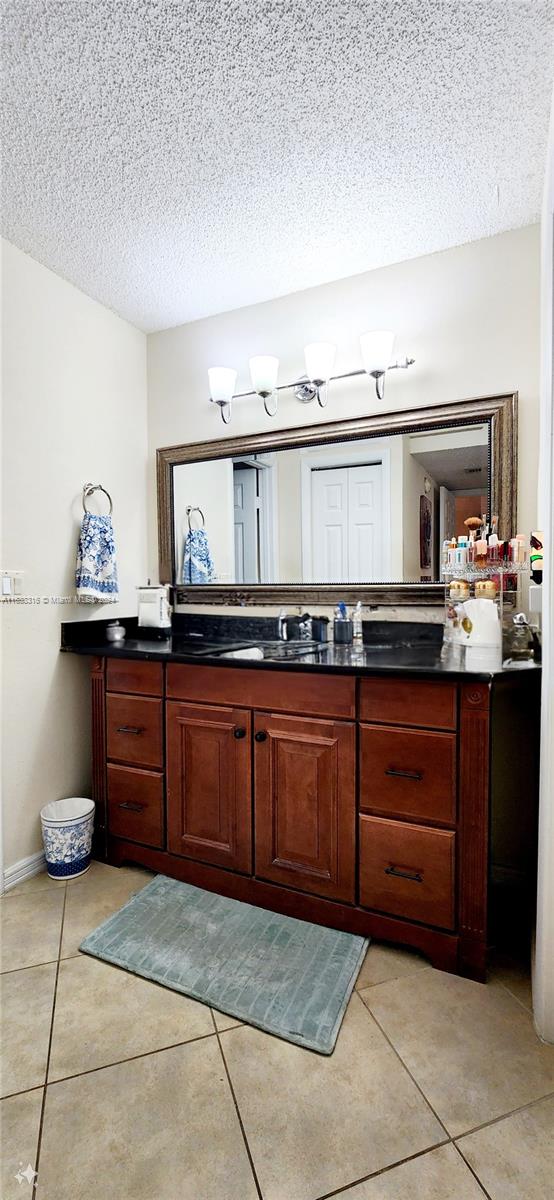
x: 104, y: 1014
x: 514, y: 1159
x: 99, y: 894
x: 162, y: 1127
x: 317, y: 1123
x: 388, y: 962
x: 222, y: 1021
x: 516, y: 979
x: 438, y: 1175
x: 27, y: 1001
x: 20, y: 1120
x: 30, y: 929
x: 471, y: 1047
x: 37, y: 883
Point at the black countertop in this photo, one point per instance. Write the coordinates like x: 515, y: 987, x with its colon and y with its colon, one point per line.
x: 88, y: 638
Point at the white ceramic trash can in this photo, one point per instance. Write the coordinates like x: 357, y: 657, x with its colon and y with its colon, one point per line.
x: 67, y: 836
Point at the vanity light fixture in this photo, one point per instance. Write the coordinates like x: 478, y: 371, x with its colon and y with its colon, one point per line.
x: 222, y: 382
x: 264, y: 369
x: 376, y: 347
x: 320, y: 360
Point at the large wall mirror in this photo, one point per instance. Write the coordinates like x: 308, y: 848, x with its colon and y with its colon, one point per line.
x: 318, y: 512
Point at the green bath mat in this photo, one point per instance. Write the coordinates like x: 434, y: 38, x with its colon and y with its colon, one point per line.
x: 288, y: 977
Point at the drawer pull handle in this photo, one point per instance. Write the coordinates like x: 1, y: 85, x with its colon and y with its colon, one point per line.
x: 398, y: 774
x: 261, y: 735
x: 130, y: 729
x: 127, y: 804
x: 413, y: 875
x: 239, y: 733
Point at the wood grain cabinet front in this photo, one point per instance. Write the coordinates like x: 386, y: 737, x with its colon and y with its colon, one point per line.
x: 428, y: 703
x: 408, y: 772
x: 135, y: 804
x: 305, y: 796
x: 134, y: 730
x: 134, y: 676
x: 407, y: 870
x: 209, y: 795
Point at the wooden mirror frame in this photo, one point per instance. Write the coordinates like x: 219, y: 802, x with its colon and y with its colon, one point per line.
x: 499, y: 411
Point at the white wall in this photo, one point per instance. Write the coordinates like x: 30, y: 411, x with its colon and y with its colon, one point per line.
x: 74, y: 388
x: 543, y: 973
x: 469, y: 316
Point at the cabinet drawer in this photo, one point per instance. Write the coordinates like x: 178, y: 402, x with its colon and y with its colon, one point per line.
x: 134, y: 730
x: 422, y: 702
x: 407, y: 871
x: 278, y: 691
x: 134, y: 675
x: 408, y: 772
x: 135, y: 805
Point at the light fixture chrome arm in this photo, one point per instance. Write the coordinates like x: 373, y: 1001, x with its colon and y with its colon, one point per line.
x: 305, y: 389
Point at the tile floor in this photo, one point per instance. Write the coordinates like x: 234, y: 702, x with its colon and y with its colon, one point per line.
x: 115, y: 1087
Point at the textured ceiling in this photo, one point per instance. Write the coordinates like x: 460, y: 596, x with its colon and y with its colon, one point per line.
x: 175, y: 159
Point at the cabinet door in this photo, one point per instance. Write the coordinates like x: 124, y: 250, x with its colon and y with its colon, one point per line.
x: 305, y: 796
x: 209, y: 794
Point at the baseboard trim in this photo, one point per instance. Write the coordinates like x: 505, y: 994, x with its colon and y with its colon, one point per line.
x: 24, y: 869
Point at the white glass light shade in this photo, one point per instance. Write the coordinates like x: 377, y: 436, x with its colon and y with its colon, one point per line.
x: 263, y: 373
x: 222, y: 384
x: 376, y: 348
x: 320, y: 360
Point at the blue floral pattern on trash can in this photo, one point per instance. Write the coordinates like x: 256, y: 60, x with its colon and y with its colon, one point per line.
x: 67, y: 848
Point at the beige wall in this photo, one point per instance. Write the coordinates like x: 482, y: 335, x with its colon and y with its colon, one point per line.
x: 208, y: 486
x: 74, y: 393
x: 469, y: 316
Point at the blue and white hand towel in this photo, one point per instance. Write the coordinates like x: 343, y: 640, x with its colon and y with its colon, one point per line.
x: 198, y: 564
x: 96, y: 570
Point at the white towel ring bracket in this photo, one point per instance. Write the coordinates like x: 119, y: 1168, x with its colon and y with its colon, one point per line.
x: 89, y: 489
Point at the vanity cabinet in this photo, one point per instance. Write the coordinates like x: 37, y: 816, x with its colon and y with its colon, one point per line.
x: 367, y: 803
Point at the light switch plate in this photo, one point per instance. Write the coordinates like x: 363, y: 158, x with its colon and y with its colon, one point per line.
x: 12, y: 583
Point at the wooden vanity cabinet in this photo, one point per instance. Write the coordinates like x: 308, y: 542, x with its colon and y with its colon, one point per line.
x: 367, y: 804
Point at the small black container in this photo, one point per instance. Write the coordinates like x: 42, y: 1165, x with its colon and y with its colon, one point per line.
x: 320, y: 631
x: 343, y: 631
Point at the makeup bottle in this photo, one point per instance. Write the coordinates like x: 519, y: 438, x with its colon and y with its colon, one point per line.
x: 471, y: 548
x: 460, y: 557
x: 481, y: 553
x: 521, y: 547
x: 492, y: 546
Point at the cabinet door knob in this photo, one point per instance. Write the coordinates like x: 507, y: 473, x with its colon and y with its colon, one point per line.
x: 261, y: 735
x: 239, y: 733
x: 130, y: 729
x: 130, y: 807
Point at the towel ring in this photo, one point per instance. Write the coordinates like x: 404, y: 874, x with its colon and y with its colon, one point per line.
x: 189, y: 511
x: 89, y: 489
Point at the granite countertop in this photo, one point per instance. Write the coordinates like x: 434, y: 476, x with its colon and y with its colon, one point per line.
x: 88, y: 638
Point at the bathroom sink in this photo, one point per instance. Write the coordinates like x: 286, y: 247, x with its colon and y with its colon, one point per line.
x: 202, y: 648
